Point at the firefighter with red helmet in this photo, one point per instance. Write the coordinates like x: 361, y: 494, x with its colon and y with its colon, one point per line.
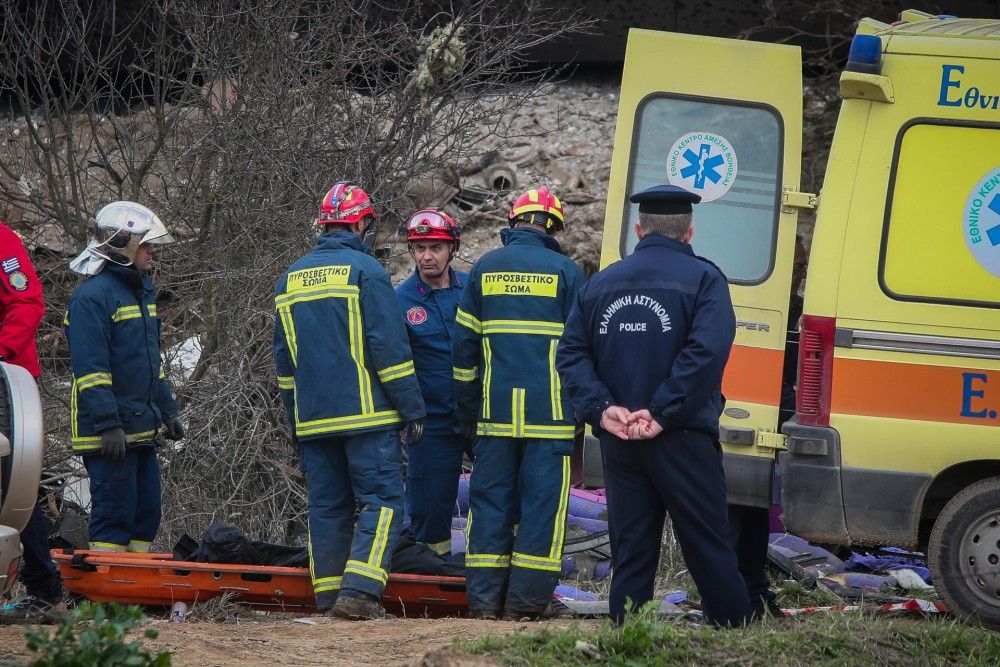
x: 513, y: 310
x: 429, y: 299
x: 347, y: 381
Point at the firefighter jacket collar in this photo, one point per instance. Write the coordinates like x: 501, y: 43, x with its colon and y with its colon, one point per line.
x: 140, y: 282
x: 341, y: 239
x: 528, y: 236
x: 654, y: 240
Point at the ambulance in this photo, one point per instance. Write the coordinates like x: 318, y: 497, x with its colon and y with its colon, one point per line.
x: 896, y: 434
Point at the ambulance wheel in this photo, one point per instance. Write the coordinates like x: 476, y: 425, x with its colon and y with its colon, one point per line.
x: 964, y: 553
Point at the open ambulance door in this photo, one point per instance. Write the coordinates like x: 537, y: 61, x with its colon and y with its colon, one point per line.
x: 722, y: 118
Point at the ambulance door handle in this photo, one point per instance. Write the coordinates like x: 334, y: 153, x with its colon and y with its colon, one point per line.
x: 792, y: 199
x: 737, y: 435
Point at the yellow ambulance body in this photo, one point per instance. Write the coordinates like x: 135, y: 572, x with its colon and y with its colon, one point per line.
x: 896, y: 435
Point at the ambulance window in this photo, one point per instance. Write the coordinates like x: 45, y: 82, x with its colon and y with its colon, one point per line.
x: 941, y: 236
x: 730, y: 153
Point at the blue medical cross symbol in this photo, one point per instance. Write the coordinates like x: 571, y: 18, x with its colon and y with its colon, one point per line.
x: 993, y: 233
x: 701, y: 166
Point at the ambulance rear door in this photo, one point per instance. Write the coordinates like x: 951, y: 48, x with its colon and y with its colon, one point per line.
x: 722, y: 118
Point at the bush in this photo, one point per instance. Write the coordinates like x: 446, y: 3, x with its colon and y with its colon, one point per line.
x: 92, y: 634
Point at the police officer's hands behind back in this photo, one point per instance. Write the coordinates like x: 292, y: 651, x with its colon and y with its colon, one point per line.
x: 113, y: 443
x: 615, y: 420
x: 173, y: 429
x: 416, y: 431
x: 643, y: 426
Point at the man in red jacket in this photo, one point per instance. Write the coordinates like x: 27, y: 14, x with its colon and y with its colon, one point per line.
x: 21, y: 310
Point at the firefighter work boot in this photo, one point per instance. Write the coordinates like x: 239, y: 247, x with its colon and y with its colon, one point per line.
x: 357, y: 606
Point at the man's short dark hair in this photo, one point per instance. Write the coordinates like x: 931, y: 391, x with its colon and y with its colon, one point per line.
x: 673, y: 226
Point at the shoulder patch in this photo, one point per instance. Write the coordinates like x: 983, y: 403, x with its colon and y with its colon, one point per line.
x: 416, y: 315
x: 10, y: 265
x: 18, y: 280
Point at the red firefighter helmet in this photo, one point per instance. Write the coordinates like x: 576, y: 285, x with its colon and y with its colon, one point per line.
x: 539, y: 207
x: 432, y: 224
x: 345, y: 204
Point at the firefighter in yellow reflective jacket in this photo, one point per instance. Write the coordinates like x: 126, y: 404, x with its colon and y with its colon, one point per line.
x: 347, y: 380
x: 516, y: 300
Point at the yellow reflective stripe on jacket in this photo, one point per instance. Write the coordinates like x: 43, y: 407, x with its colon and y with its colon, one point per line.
x: 553, y: 432
x: 107, y: 546
x: 314, y: 293
x: 357, y: 339
x: 126, y: 313
x: 395, y: 372
x: 559, y: 527
x: 464, y: 374
x: 487, y: 560
x: 334, y: 424
x: 365, y: 570
x: 151, y: 309
x: 536, y: 562
x: 487, y: 376
x: 92, y: 380
x: 88, y: 442
x: 288, y: 325
x: 522, y: 327
x: 286, y: 382
x: 326, y: 584
x: 555, y: 385
x: 517, y: 411
x: 66, y: 319
x: 468, y: 321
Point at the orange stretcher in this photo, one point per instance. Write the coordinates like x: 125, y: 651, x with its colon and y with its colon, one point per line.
x: 159, y: 580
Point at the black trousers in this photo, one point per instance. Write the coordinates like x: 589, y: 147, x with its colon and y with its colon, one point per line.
x: 39, y: 574
x: 679, y: 472
x: 749, y: 531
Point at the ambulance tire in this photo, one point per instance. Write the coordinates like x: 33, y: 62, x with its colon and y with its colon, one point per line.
x: 964, y: 553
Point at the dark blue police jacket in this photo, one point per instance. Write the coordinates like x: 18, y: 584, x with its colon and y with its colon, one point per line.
x: 340, y: 347
x: 652, y: 331
x: 430, y: 321
x: 114, y: 353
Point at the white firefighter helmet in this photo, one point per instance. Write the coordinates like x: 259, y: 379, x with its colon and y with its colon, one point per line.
x: 119, y: 229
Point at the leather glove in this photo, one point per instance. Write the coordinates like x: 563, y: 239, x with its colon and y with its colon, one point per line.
x: 173, y: 428
x: 416, y: 431
x: 113, y: 443
x: 467, y: 427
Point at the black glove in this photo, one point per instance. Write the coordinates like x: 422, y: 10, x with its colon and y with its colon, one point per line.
x: 467, y: 427
x: 416, y: 431
x: 173, y: 428
x: 113, y: 443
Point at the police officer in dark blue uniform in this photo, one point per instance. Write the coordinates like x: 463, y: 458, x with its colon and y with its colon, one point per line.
x: 429, y: 299
x: 642, y: 358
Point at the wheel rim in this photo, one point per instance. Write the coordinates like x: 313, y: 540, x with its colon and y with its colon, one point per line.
x: 979, y: 557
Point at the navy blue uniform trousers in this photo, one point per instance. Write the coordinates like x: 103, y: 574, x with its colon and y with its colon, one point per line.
x: 39, y: 574
x: 432, y: 472
x: 679, y: 472
x: 341, y: 472
x: 522, y: 482
x: 125, y: 500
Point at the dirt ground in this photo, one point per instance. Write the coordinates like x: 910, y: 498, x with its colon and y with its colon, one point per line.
x: 424, y: 642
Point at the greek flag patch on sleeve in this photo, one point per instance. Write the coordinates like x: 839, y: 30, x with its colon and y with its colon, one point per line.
x: 10, y: 265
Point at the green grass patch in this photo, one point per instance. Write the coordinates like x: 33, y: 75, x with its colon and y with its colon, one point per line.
x: 825, y: 639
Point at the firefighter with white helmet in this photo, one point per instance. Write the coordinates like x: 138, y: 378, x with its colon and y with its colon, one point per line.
x: 429, y: 299
x: 348, y: 384
x: 512, y: 313
x: 120, y: 399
